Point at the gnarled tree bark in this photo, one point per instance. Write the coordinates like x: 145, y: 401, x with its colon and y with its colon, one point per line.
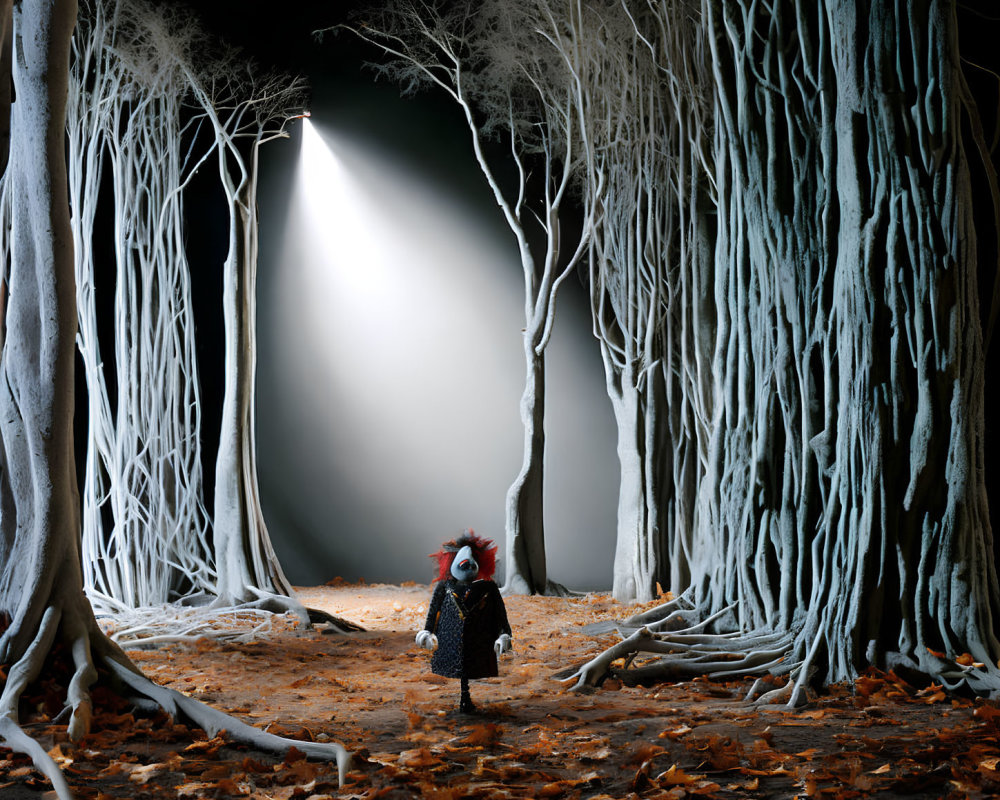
x: 843, y: 509
x: 41, y: 582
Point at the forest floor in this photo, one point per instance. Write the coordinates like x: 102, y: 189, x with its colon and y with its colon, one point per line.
x: 374, y: 692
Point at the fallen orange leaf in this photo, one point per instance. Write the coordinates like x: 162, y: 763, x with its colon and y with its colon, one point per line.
x: 675, y: 776
x: 988, y: 768
x: 867, y: 685
x: 481, y: 735
x: 229, y: 786
x: 644, y: 752
x: 420, y: 757
x: 987, y: 713
x: 554, y: 789
x: 676, y: 733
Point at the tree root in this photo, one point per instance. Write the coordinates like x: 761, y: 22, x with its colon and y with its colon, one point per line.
x: 180, y: 623
x: 694, y: 652
x: 287, y: 604
x: 14, y: 737
x: 688, y: 654
x: 86, y: 643
x: 214, y: 722
x: 680, y: 604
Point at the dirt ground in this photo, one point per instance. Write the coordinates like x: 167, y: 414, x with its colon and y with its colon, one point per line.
x: 374, y: 692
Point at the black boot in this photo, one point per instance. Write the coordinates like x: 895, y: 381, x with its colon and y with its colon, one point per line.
x: 465, y: 705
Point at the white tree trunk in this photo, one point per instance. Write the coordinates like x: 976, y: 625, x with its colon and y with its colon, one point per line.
x: 39, y: 522
x: 845, y: 476
x: 247, y: 566
x: 637, y: 548
x: 41, y: 586
x: 41, y: 583
x: 525, y: 546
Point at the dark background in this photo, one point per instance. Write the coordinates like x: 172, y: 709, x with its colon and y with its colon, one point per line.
x: 322, y: 525
x: 429, y: 134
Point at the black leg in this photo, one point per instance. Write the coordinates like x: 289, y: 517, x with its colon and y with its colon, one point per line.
x: 466, y: 706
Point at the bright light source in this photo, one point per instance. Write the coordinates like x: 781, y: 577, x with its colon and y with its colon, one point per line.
x: 349, y: 234
x: 401, y: 335
x: 397, y: 317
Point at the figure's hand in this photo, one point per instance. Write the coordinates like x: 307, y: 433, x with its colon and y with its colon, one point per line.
x: 502, y: 645
x: 427, y: 640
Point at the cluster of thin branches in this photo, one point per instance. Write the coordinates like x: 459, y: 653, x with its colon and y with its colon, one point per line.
x: 170, y: 623
x: 148, y: 109
x: 143, y: 467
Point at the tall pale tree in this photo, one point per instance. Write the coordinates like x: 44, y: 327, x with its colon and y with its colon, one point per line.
x: 41, y: 582
x: 41, y: 590
x: 244, y: 108
x: 143, y: 467
x: 644, y: 119
x: 842, y: 518
x: 148, y: 109
x: 522, y: 96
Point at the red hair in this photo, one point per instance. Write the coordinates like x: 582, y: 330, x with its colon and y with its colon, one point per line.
x: 483, y: 550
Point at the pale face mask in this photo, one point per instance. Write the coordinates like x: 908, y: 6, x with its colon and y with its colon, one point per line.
x: 464, y: 568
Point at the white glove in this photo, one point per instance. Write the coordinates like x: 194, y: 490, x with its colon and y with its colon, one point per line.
x: 502, y: 645
x: 427, y: 640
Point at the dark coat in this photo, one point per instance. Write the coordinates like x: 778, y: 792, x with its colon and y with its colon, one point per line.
x: 467, y: 618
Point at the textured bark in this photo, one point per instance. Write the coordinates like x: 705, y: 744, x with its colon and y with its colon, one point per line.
x: 846, y: 478
x: 842, y: 511
x: 41, y: 582
x: 41, y: 591
x: 643, y: 547
x: 246, y: 561
x: 39, y: 520
x: 6, y: 81
x: 525, y: 544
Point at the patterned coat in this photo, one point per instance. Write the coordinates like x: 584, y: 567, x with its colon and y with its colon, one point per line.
x: 467, y: 618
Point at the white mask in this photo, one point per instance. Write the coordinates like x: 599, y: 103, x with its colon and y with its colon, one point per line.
x: 464, y: 568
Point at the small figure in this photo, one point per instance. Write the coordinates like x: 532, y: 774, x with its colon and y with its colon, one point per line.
x: 467, y: 620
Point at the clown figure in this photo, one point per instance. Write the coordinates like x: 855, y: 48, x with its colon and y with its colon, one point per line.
x: 467, y: 621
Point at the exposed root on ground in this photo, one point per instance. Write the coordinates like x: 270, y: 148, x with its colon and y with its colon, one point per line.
x: 682, y: 643
x: 687, y: 654
x: 211, y: 720
x: 185, y: 623
x: 289, y: 604
x: 676, y: 641
x: 140, y: 628
x: 90, y: 649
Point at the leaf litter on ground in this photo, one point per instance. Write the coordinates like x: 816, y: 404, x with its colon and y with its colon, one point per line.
x: 374, y: 692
